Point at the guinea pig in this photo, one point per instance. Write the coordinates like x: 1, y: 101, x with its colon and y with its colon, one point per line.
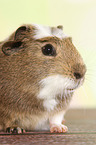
x: 40, y: 69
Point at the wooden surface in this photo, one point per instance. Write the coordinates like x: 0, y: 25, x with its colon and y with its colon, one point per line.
x: 82, y: 131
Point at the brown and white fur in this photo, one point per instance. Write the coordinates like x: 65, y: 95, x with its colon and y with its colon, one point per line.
x: 35, y: 89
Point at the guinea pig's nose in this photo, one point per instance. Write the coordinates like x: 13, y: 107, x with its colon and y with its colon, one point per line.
x: 77, y: 75
x: 79, y: 71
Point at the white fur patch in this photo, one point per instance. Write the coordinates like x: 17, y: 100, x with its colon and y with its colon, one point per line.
x: 49, y: 104
x: 53, y: 86
x: 46, y: 31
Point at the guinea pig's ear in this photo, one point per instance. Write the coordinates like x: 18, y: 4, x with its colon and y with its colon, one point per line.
x: 60, y: 27
x: 11, y: 47
x: 21, y: 32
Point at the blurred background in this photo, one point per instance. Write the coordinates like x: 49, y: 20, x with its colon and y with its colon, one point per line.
x: 78, y: 18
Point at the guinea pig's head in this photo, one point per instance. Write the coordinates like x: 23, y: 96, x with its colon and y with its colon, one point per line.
x: 48, y: 57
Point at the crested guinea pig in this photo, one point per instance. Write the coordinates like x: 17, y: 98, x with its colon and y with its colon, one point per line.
x: 39, y: 71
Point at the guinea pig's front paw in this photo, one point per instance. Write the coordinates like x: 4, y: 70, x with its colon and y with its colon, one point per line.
x: 17, y: 130
x: 58, y: 128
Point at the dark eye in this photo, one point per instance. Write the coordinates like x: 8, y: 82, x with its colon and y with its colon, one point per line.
x: 49, y: 50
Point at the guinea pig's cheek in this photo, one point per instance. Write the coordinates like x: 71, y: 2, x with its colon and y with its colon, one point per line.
x: 54, y: 85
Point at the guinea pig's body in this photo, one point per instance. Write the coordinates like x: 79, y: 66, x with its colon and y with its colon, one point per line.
x: 39, y: 70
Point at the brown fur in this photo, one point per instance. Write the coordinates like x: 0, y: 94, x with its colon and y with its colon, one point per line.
x: 23, y: 69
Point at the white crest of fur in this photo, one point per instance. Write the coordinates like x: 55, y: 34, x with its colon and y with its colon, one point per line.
x: 53, y: 86
x: 46, y: 31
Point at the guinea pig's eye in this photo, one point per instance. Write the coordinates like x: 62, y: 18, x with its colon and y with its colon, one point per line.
x: 49, y: 50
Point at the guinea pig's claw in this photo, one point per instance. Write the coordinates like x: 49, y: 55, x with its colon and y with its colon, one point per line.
x: 58, y: 128
x: 17, y: 130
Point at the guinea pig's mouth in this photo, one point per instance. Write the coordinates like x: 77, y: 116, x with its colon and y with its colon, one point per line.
x: 72, y: 89
x: 78, y: 84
